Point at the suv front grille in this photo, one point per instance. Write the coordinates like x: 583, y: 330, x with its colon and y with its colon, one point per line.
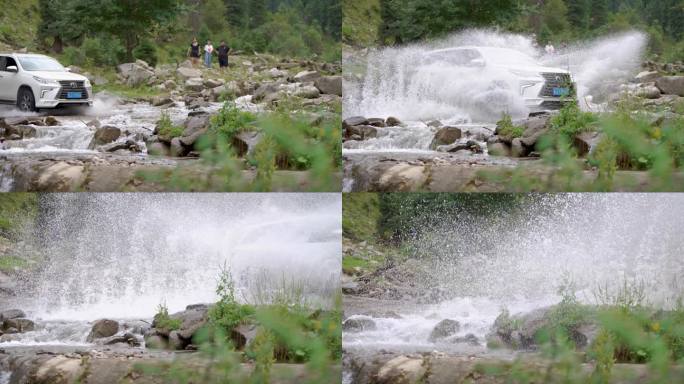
x: 556, y: 80
x: 72, y: 86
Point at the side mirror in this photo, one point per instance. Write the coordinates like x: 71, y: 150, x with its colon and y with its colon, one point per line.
x: 12, y: 68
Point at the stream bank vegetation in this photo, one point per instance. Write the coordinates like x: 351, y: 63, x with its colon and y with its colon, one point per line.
x: 623, y: 329
x: 250, y: 342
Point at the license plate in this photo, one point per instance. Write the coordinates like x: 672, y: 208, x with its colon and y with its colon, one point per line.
x: 74, y: 95
x: 561, y: 91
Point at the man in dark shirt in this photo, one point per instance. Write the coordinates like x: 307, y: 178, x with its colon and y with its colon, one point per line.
x: 223, y: 51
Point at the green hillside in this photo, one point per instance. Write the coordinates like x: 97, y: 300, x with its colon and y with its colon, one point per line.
x: 18, y: 23
x: 361, y: 22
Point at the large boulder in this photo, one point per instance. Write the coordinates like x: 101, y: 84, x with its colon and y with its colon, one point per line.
x: 308, y: 92
x: 402, y: 370
x: 245, y: 142
x: 535, y: 128
x: 361, y: 131
x: 11, y: 314
x: 353, y: 121
x: 358, y: 324
x: 265, y: 90
x: 192, y: 319
x: 331, y: 85
x: 446, y: 136
x: 648, y: 92
x: 194, y: 84
x: 104, y: 135
x: 306, y: 76
x: 135, y: 73
x: 585, y: 142
x: 103, y: 328
x: 671, y: 85
x: 243, y: 334
x: 646, y: 77
x: 19, y: 325
x: 444, y: 329
x: 188, y: 73
x: 194, y: 127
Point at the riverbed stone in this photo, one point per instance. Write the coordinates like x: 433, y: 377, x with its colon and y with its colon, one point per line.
x: 20, y: 324
x: 126, y: 338
x: 104, y: 135
x: 446, y: 136
x: 306, y: 76
x: 402, y: 370
x: 362, y: 131
x: 188, y: 73
x: 11, y: 314
x: 308, y: 92
x: 671, y: 85
x: 585, y: 142
x: 535, y: 128
x: 103, y: 328
x: 444, y: 329
x: 156, y: 342
x: 331, y: 85
x: 498, y: 149
x: 354, y: 121
x: 358, y: 324
x: 393, y: 122
x: 243, y: 334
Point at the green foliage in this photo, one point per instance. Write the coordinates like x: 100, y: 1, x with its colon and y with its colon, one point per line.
x: 19, y: 21
x: 360, y: 216
x: 16, y: 211
x: 162, y: 320
x: 147, y: 52
x: 166, y: 129
x: 265, y: 154
x: 230, y: 121
x: 262, y: 349
x: 361, y: 22
x: 73, y: 56
x: 505, y: 128
x: 102, y: 51
x: 572, y: 121
x: 227, y: 313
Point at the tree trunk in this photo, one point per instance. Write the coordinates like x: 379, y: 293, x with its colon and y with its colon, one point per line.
x: 57, y: 45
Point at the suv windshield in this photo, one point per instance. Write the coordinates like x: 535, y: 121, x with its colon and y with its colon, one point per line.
x: 40, y: 64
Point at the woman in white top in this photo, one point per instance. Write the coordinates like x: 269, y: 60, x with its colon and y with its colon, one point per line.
x: 208, y: 52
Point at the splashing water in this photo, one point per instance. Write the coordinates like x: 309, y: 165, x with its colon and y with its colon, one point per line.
x: 120, y: 255
x: 519, y: 259
x: 397, y: 82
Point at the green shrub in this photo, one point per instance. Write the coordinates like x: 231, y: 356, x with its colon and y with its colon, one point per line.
x: 166, y: 129
x: 506, y: 129
x: 104, y: 51
x: 162, y: 320
x: 572, y: 121
x: 146, y: 51
x: 73, y: 56
x: 227, y: 313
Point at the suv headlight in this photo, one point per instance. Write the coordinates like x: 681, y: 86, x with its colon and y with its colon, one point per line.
x: 45, y: 81
x: 87, y: 83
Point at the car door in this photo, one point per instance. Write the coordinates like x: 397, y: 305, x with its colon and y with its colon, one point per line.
x: 4, y: 79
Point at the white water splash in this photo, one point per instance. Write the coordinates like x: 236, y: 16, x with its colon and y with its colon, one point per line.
x: 120, y: 256
x: 394, y: 82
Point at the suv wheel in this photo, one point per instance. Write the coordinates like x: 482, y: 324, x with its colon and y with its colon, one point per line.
x: 25, y: 100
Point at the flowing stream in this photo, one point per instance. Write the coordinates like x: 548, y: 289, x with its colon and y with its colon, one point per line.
x: 396, y: 82
x: 119, y: 256
x: 519, y: 260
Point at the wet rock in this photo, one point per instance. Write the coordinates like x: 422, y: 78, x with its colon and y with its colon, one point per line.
x: 51, y: 121
x: 103, y: 328
x: 647, y: 77
x: 358, y: 324
x: 362, y: 131
x: 156, y: 342
x: 94, y: 123
x: 158, y: 149
x: 161, y: 100
x: 402, y: 370
x: 648, y: 92
x: 446, y: 136
x: 306, y: 76
x: 376, y: 122
x: 308, y: 92
x: 353, y: 121
x: 244, y: 143
x: 393, y: 122
x: 21, y: 325
x: 265, y: 90
x: 194, y: 127
x: 585, y: 142
x: 331, y: 85
x: 671, y: 85
x: 434, y: 124
x: 11, y: 314
x: 188, y: 73
x: 177, y: 149
x: 127, y: 145
x: 104, y: 135
x: 535, y: 128
x: 469, y: 339
x: 126, y: 338
x: 194, y: 84
x: 470, y: 146
x: 192, y: 319
x: 175, y: 342
x: 498, y: 149
x: 243, y: 334
x: 443, y: 329
x: 517, y: 148
x: 19, y: 132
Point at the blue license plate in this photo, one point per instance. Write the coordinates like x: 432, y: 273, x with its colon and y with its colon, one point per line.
x: 74, y: 95
x: 561, y: 92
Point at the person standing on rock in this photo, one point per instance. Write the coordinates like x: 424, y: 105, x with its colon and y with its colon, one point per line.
x: 194, y: 52
x: 223, y: 51
x: 208, y: 53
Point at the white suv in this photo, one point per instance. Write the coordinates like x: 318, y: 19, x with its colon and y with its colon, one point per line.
x: 33, y: 82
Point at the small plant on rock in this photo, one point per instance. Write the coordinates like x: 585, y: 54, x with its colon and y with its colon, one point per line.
x: 162, y: 320
x: 505, y: 128
x: 228, y: 313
